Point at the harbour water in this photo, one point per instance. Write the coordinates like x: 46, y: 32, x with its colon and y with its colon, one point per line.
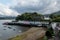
x: 8, y: 31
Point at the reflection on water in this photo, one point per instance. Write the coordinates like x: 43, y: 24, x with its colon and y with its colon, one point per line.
x: 7, y: 31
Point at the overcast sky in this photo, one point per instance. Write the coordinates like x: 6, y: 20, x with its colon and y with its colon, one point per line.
x: 16, y: 7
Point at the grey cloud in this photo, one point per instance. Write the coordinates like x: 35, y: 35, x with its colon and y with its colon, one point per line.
x: 42, y: 6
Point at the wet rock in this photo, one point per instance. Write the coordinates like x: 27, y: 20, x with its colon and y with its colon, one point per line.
x: 4, y: 29
x: 9, y: 27
x: 14, y: 29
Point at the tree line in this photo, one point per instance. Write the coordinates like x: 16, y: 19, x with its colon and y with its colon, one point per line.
x: 27, y: 16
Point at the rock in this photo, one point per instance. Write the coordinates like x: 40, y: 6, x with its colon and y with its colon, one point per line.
x: 9, y: 27
x: 14, y: 29
x: 4, y: 29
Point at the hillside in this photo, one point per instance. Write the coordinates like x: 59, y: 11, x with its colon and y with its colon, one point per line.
x: 56, y: 13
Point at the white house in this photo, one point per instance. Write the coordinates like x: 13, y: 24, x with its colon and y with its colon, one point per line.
x: 46, y: 17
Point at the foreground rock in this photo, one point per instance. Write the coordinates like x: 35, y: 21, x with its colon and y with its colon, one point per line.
x: 32, y: 34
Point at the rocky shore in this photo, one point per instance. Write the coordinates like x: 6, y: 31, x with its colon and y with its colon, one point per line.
x: 34, y: 33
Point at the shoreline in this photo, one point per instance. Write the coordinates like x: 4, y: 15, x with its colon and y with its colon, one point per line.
x: 32, y: 34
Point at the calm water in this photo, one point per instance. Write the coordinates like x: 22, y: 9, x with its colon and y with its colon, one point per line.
x: 8, y: 31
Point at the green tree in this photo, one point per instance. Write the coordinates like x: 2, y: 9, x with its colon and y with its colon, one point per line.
x: 28, y: 16
x: 55, y: 18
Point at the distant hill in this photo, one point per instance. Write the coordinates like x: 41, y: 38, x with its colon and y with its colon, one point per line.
x: 7, y: 17
x: 56, y: 13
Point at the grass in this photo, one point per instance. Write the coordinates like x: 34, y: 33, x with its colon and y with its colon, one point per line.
x: 45, y: 38
x: 21, y: 37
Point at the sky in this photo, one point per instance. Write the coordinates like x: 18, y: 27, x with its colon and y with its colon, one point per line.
x: 16, y: 7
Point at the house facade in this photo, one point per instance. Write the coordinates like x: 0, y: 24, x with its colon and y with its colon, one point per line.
x: 46, y: 17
